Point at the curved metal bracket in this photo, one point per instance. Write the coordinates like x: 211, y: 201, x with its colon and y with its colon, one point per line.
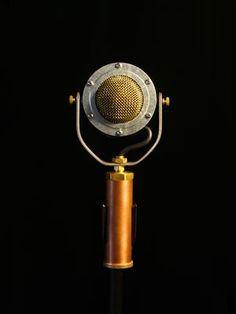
x: 106, y: 163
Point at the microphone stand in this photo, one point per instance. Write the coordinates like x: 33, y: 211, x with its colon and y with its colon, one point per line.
x: 118, y: 230
x: 119, y: 213
x: 117, y: 276
x: 116, y: 291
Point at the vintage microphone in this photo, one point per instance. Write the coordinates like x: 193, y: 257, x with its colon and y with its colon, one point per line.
x: 119, y: 99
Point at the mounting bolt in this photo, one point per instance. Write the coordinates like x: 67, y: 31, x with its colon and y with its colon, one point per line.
x: 147, y: 81
x: 166, y: 101
x: 71, y: 99
x: 90, y: 83
x: 148, y: 115
x: 119, y: 132
x: 90, y: 115
x: 117, y: 65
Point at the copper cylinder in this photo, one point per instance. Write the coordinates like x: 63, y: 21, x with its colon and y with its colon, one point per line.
x: 119, y: 201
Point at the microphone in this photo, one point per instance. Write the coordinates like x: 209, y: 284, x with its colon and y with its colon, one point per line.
x: 119, y: 99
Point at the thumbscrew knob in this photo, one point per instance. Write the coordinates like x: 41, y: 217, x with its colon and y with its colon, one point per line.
x: 71, y: 99
x: 166, y: 101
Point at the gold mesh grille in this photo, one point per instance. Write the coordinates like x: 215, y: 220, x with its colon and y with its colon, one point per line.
x: 119, y: 99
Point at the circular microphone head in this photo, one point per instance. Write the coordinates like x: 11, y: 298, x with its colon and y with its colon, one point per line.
x: 119, y: 99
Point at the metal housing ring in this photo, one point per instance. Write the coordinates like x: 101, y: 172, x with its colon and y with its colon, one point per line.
x: 149, y: 99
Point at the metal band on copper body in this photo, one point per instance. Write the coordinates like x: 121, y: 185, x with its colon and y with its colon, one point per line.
x: 119, y: 202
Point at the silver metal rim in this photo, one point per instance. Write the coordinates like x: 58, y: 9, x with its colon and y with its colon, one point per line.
x: 146, y: 85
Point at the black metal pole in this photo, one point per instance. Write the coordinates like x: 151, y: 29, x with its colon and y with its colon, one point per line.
x: 116, y: 291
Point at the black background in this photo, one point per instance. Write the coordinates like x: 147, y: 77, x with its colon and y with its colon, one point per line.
x: 184, y: 258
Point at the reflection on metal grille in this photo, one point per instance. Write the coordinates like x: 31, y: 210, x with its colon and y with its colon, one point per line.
x: 119, y: 99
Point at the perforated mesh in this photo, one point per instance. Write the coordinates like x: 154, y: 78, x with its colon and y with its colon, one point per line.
x: 119, y: 99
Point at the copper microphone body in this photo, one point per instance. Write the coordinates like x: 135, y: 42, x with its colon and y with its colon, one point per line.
x: 118, y: 231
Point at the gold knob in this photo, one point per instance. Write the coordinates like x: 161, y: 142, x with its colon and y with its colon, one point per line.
x: 71, y: 99
x: 166, y: 101
x: 120, y: 160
